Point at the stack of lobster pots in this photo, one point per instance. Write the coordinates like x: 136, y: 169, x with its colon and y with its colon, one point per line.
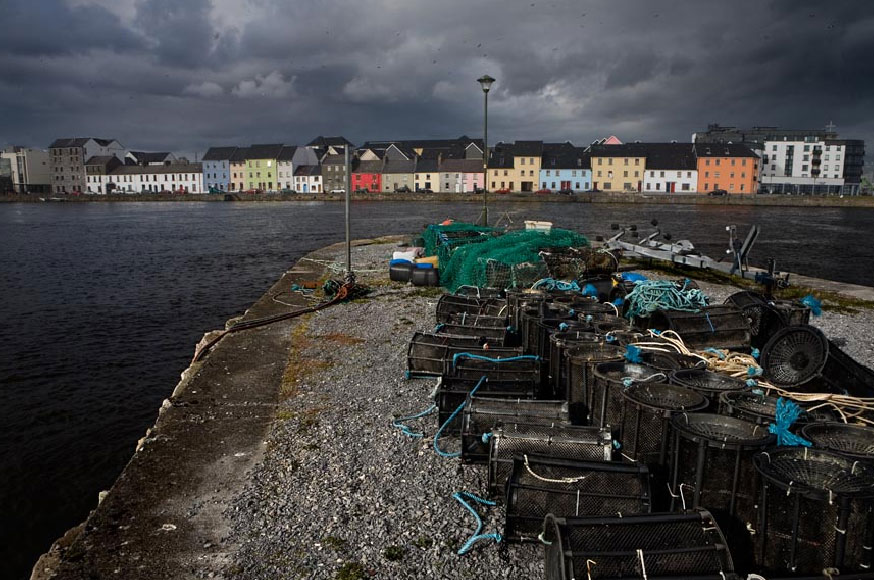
x: 628, y: 462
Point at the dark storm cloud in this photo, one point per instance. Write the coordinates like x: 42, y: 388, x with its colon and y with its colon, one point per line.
x: 177, y: 75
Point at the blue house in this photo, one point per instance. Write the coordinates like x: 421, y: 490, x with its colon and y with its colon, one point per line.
x: 217, y: 168
x: 564, y: 167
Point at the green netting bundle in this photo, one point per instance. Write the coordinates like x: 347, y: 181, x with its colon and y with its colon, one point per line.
x: 507, y: 261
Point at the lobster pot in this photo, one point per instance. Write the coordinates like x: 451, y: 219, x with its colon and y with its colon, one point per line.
x: 611, y: 325
x: 595, y: 312
x: 427, y: 353
x: 559, y: 343
x: 545, y: 329
x: 646, y: 413
x: 767, y: 317
x: 816, y: 512
x: 520, y: 299
x: 496, y: 336
x: 655, y: 546
x: 452, y: 393
x: 794, y: 356
x: 484, y: 414
x: 485, y: 293
x: 605, y: 399
x: 708, y: 383
x: 624, y: 337
x: 711, y: 327
x: 667, y: 362
x: 560, y: 442
x: 711, y: 467
x: 853, y: 441
x: 478, y: 320
x: 753, y: 407
x: 581, y: 362
x: 450, y: 304
x: 510, y: 369
x: 540, y: 485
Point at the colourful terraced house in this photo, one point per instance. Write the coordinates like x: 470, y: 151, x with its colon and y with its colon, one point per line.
x: 261, y: 172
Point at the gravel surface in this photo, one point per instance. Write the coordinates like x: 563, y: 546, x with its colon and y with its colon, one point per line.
x: 342, y: 494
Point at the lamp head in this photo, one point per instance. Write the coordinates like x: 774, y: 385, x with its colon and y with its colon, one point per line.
x: 486, y: 82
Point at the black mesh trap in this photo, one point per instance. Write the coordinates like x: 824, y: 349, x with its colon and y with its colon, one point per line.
x: 518, y: 299
x: 614, y: 324
x: 559, y: 344
x: 854, y: 441
x: 450, y: 304
x: 478, y: 320
x: 753, y: 407
x: 647, y: 408
x: 561, y: 442
x: 712, y: 327
x: 711, y: 467
x: 659, y: 545
x: 482, y: 415
x: 794, y: 356
x: 708, y: 383
x: 427, y: 353
x: 494, y: 366
x: 605, y: 400
x: 452, y: 392
x: 493, y: 335
x: 581, y: 362
x: 816, y: 512
x: 540, y: 485
x: 843, y: 373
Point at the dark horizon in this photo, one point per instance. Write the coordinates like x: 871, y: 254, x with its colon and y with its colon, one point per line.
x: 170, y: 76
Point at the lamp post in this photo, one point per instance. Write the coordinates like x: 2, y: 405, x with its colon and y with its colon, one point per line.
x: 485, y: 82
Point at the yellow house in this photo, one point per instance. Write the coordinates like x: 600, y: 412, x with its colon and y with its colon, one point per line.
x: 618, y: 168
x: 515, y: 167
x: 238, y: 169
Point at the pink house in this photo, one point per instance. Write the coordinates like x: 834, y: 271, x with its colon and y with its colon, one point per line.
x: 461, y: 175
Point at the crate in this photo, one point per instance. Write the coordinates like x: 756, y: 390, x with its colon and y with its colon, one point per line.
x: 655, y: 546
x: 427, y: 352
x: 484, y: 414
x: 561, y: 442
x: 563, y: 487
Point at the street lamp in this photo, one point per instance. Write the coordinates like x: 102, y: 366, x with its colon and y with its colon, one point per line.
x: 485, y: 82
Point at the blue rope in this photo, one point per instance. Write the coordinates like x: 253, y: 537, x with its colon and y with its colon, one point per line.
x: 813, y: 303
x: 460, y: 496
x: 471, y: 355
x: 651, y: 295
x: 787, y: 412
x: 399, y: 423
x: 632, y: 354
x: 715, y: 351
x: 590, y: 290
x: 707, y: 316
x: 437, y: 435
x: 438, y: 328
x: 753, y: 371
x: 755, y: 353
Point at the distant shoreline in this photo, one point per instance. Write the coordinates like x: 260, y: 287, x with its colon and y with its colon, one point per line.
x: 624, y: 198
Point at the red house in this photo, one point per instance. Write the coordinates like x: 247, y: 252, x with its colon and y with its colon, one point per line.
x: 367, y: 176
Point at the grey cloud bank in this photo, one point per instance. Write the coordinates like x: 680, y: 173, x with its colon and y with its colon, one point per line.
x: 184, y: 75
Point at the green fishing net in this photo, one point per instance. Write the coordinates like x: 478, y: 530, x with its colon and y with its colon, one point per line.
x: 504, y: 261
x: 441, y: 240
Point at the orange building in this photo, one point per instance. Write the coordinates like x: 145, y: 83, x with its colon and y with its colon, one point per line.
x: 729, y: 166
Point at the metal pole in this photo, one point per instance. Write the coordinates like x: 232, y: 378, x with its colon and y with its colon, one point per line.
x: 486, y: 161
x: 350, y: 276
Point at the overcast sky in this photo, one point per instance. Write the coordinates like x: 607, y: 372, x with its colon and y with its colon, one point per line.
x: 183, y: 75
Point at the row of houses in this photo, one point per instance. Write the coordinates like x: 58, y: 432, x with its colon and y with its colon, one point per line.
x: 762, y: 161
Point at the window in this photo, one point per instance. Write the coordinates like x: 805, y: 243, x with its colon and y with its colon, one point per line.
x: 627, y: 185
x: 688, y: 174
x: 706, y: 174
x: 732, y: 162
x: 523, y: 161
x: 685, y: 187
x: 624, y: 174
x: 599, y: 173
x: 637, y: 173
x: 716, y: 174
x: 658, y: 186
x: 706, y: 186
x: 741, y: 186
x: 609, y: 161
x: 652, y: 173
x: 626, y: 161
x: 717, y: 161
x: 573, y: 173
x: 807, y: 147
x: 706, y: 162
x: 679, y: 174
x: 732, y: 175
x: 637, y: 162
x: 743, y: 174
x: 806, y: 158
x: 531, y: 161
x: 731, y: 187
x: 505, y: 173
x: 600, y: 161
x: 257, y: 163
x: 547, y: 174
x: 661, y: 173
x: 608, y: 185
x: 743, y: 162
x: 553, y: 185
x: 544, y: 185
x: 804, y: 168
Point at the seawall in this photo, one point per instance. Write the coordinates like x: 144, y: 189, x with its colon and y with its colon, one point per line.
x: 622, y: 198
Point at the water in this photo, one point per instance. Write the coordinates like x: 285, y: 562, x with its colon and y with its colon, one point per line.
x: 101, y: 306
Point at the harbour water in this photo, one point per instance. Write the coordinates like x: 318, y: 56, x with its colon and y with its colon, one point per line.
x: 101, y: 305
